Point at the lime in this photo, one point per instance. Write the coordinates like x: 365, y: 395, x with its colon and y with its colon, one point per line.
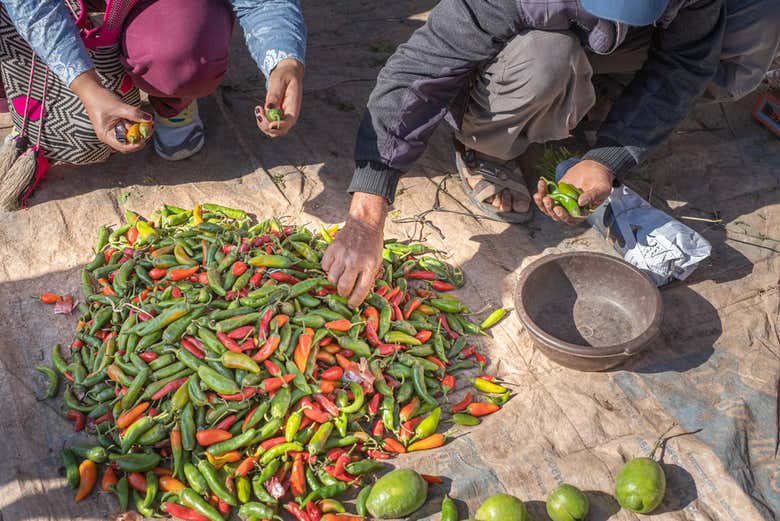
x: 567, y: 503
x: 640, y: 485
x: 502, y: 507
x: 397, y: 494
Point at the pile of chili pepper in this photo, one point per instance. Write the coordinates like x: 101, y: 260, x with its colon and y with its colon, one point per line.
x: 218, y: 369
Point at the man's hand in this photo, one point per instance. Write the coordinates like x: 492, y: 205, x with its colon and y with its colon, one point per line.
x: 285, y: 92
x: 106, y: 111
x: 355, y: 255
x: 593, y: 178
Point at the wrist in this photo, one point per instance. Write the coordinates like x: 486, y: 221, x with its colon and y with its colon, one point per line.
x: 88, y: 88
x: 369, y: 210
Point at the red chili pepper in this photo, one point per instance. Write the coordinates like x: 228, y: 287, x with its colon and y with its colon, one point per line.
x: 393, y: 292
x: 388, y: 349
x: 182, y: 512
x: 332, y: 373
x: 109, y: 253
x: 241, y: 332
x: 382, y: 291
x: 298, y: 478
x: 272, y: 384
x: 78, y: 419
x: 313, y: 411
x: 169, y: 388
x: 77, y: 343
x: 335, y: 453
x: 330, y: 407
x: 283, y: 277
x: 157, y: 273
x: 137, y: 481
x: 243, y: 394
x: 245, y: 466
x: 480, y: 358
x: 226, y: 423
x: 182, y: 273
x: 411, y: 306
x: 448, y: 383
x: 461, y: 405
x: 371, y: 335
x: 273, y: 442
x: 132, y: 235
x: 488, y: 377
x: 223, y: 508
x: 176, y: 292
x: 296, y: 512
x: 192, y: 348
x: 423, y: 335
x: 397, y: 313
x: 268, y: 349
x: 481, y: 409
x: 227, y: 248
x: 265, y: 321
x: 255, y: 279
x: 148, y: 356
x: 272, y: 367
x: 421, y: 275
x: 392, y: 445
x: 341, y: 476
x: 228, y: 342
x: 108, y: 417
x: 398, y: 298
x: 314, y: 512
x: 440, y: 285
x: 269, y: 249
x: 379, y: 429
x: 341, y: 462
x: 238, y: 268
x: 377, y: 454
x: 443, y: 321
x: 48, y: 298
x: 203, y: 278
x: 432, y: 480
x: 248, y: 344
x: 373, y: 404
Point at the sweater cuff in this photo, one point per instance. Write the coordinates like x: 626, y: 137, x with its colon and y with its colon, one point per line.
x: 615, y: 157
x: 373, y: 177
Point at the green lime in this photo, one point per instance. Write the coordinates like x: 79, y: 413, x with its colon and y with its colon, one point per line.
x: 273, y: 115
x: 397, y: 494
x: 640, y: 485
x: 567, y: 503
x: 502, y: 507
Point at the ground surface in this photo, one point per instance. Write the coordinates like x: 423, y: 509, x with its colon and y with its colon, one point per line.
x: 715, y: 366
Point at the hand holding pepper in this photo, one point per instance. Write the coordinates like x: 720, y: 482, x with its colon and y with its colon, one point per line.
x: 590, y: 177
x: 285, y: 93
x: 354, y: 256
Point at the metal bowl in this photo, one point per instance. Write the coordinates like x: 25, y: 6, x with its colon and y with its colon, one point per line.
x: 588, y: 311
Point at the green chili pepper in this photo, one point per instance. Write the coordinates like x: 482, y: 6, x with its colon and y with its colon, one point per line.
x: 53, y: 383
x: 358, y: 400
x: 494, y: 318
x: 366, y: 466
x: 449, y: 511
x: 239, y: 361
x: 317, y: 442
x: 135, y: 431
x: 71, y: 467
x: 194, y: 478
x: 465, y: 419
x: 135, y: 388
x: 399, y: 337
x: 136, y: 462
x: 388, y: 413
x: 216, y: 382
x: 428, y: 426
x: 292, y: 425
x: 234, y: 443
x: 362, y: 498
x: 270, y: 261
x: 255, y: 510
x: 122, y: 489
x: 418, y: 379
x: 193, y: 500
x: 259, y: 480
x: 216, y: 483
x: 279, y: 450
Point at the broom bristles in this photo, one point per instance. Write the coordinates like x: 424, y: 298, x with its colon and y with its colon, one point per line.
x: 9, y: 152
x: 16, y: 179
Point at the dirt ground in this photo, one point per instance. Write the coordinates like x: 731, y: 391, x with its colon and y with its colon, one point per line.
x: 715, y: 369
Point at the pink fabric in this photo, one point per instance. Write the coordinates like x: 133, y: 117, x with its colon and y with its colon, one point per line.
x: 177, y: 50
x: 34, y: 108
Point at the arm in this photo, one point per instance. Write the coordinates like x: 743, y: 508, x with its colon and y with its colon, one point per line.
x: 413, y: 93
x: 683, y: 59
x: 418, y: 83
x: 48, y: 28
x: 275, y: 34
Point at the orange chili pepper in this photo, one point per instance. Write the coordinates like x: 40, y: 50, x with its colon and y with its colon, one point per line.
x: 245, y: 466
x: 323, y: 356
x: 208, y: 437
x: 157, y: 273
x: 281, y: 320
x: 341, y: 517
x: 269, y: 347
x: 423, y: 335
x: 87, y: 479
x: 109, y: 479
x: 162, y: 471
x: 297, y: 477
x: 481, y: 409
x: 407, y: 410
x: 435, y: 360
x: 431, y: 442
x: 371, y: 315
x: 339, y: 325
x: 48, y: 298
x: 392, y: 445
x: 182, y: 273
x: 344, y: 362
x: 411, y: 306
x: 229, y: 457
x: 170, y: 484
x: 332, y: 348
x: 302, y: 351
x: 328, y: 386
x: 328, y: 340
x: 127, y: 418
x: 132, y: 233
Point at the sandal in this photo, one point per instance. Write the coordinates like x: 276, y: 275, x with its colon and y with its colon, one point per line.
x: 492, y: 177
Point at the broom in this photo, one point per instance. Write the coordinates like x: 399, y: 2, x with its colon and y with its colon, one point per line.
x: 16, y: 180
x: 15, y: 145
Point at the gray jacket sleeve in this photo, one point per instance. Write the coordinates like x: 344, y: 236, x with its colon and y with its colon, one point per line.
x: 683, y: 59
x: 416, y: 86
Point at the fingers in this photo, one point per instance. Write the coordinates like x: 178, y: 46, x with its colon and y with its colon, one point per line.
x: 110, y: 139
x: 347, y: 280
x: 327, y: 259
x: 364, y: 284
x: 133, y: 114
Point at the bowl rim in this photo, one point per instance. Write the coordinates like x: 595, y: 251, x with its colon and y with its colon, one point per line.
x: 627, y: 348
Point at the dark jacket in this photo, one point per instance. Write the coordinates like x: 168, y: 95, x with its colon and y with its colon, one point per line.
x: 421, y: 82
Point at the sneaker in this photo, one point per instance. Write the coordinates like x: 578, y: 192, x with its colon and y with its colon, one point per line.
x: 180, y: 136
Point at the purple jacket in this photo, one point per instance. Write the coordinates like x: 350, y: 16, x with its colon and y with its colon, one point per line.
x: 422, y: 81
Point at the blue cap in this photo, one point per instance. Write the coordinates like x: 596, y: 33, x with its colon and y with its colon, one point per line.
x: 632, y: 12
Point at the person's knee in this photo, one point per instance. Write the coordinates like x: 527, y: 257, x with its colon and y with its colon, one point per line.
x: 546, y: 62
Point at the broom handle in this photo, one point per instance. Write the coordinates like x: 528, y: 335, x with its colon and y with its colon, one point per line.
x: 43, y: 109
x: 26, y: 115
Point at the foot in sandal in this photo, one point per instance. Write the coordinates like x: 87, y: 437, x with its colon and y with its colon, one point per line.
x: 494, y: 186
